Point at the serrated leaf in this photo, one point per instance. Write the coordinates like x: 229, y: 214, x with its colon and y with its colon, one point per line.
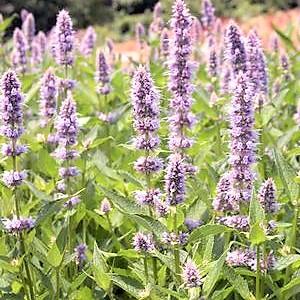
x: 128, y: 284
x: 257, y: 234
x: 54, y: 258
x: 256, y: 211
x: 284, y: 262
x: 291, y: 289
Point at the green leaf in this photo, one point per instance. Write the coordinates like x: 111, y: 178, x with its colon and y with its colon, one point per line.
x: 207, y: 230
x: 213, y: 274
x: 54, y: 258
x: 291, y: 289
x: 128, y: 284
x: 239, y: 283
x: 6, y: 23
x: 256, y: 211
x: 287, y: 41
x: 257, y: 234
x: 100, y: 269
x: 284, y: 262
x: 221, y: 295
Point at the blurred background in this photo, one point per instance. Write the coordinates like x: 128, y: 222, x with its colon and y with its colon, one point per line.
x: 120, y: 16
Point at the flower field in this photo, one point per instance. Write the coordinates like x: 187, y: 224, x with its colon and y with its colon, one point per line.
x: 171, y: 174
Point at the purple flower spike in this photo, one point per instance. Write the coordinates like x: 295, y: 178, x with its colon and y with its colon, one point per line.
x: 148, y: 165
x: 102, y: 75
x: 191, y: 275
x: 157, y: 24
x: 256, y: 64
x: 237, y: 222
x: 243, y: 141
x: 17, y: 225
x: 213, y: 63
x: 36, y: 53
x: 143, y: 242
x: 175, y: 180
x: 285, y: 67
x: 140, y: 34
x: 28, y: 27
x: 88, y: 42
x: 225, y: 80
x: 267, y: 196
x: 48, y: 95
x: 67, y: 125
x: 149, y: 197
x: 105, y: 207
x: 13, y: 178
x: 196, y: 30
x: 80, y: 254
x: 42, y: 40
x: 192, y: 224
x: 72, y: 202
x: 11, y: 106
x: 223, y: 201
x: 181, y: 70
x: 235, y: 52
x: 172, y: 239
x: 68, y: 172
x: 19, y: 51
x: 64, y: 39
x: 164, y: 43
x: 17, y: 150
x: 208, y: 18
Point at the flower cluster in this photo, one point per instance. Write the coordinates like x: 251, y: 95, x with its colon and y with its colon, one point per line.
x: 19, y: 58
x: 173, y: 239
x: 88, y: 41
x: 105, y: 207
x: 80, y: 254
x: 237, y: 222
x: 157, y: 24
x: 140, y: 35
x: 143, y: 242
x: 267, y: 196
x: 213, y: 63
x: 190, y: 275
x: 64, y: 39
x: 164, y: 43
x: 102, y: 75
x: 41, y: 39
x: 17, y: 225
x: 208, y: 18
x: 28, y: 27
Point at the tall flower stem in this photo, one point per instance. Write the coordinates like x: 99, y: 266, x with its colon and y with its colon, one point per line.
x: 114, y: 237
x: 146, y: 269
x: 258, y: 274
x: 176, y: 251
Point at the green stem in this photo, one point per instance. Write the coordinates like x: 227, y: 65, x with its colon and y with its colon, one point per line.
x: 117, y: 244
x: 258, y: 274
x: 154, y: 266
x: 146, y: 270
x: 176, y: 252
x: 57, y: 284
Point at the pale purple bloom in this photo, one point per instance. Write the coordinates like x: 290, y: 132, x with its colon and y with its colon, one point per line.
x: 223, y: 200
x: 157, y: 24
x: 67, y: 124
x: 17, y: 150
x: 24, y: 13
x: 240, y: 257
x: 147, y: 197
x: 102, y: 75
x: 28, y: 27
x: 196, y: 30
x: 140, y: 35
x: 110, y: 118
x: 235, y: 52
x: 208, y: 18
x: 213, y: 63
x: 175, y: 180
x: 88, y: 41
x: 53, y: 139
x: 191, y: 275
x: 173, y: 239
x: 275, y: 44
x: 237, y: 222
x: 192, y: 224
x: 61, y: 186
x: 67, y: 84
x: 36, y: 53
x: 17, y: 225
x: 285, y: 66
x: 161, y: 208
x: 42, y: 40
x: 72, y: 202
x: 148, y: 142
x: 267, y: 196
x: 66, y: 172
x: 105, y: 207
x: 64, y: 39
x: 181, y: 70
x: 48, y: 95
x: 65, y: 154
x: 13, y: 178
x: 143, y: 242
x: 225, y: 80
x: 164, y: 43
x: 80, y: 254
x: 11, y: 106
x: 243, y: 140
x: 19, y: 51
x: 148, y: 165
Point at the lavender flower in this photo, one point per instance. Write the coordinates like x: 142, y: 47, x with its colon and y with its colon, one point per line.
x: 243, y: 141
x: 148, y: 165
x: 88, y: 42
x: 80, y: 254
x: 111, y: 48
x: 240, y: 257
x: 208, y: 15
x: 161, y: 208
x: 66, y: 172
x: 173, y: 239
x: 11, y: 106
x: 285, y: 67
x: 235, y: 52
x: 48, y: 95
x: 28, y: 27
x: 36, y: 53
x: 64, y: 39
x: 225, y: 80
x: 13, y: 150
x: 17, y: 225
x: 19, y: 51
x: 275, y: 44
x: 196, y: 30
x: 42, y: 40
x: 191, y: 275
x: 67, y: 125
x: 267, y: 196
x: 180, y: 75
x: 105, y: 207
x: 62, y: 153
x: 102, y: 75
x: 192, y: 224
x: 223, y: 200
x: 67, y: 84
x: 72, y: 202
x: 164, y: 43
x: 237, y: 222
x: 213, y: 59
x: 256, y: 64
x: 13, y: 178
x: 157, y: 24
x: 143, y: 242
x: 175, y: 180
x: 147, y: 197
x: 139, y: 35
x: 24, y: 13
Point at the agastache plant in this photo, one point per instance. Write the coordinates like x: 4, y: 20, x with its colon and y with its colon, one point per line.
x: 28, y: 27
x: 145, y: 101
x: 88, y: 41
x: 181, y: 70
x: 12, y: 129
x: 42, y: 40
x: 19, y: 51
x: 157, y: 24
x: 102, y: 74
x: 208, y: 18
x: 164, y: 43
